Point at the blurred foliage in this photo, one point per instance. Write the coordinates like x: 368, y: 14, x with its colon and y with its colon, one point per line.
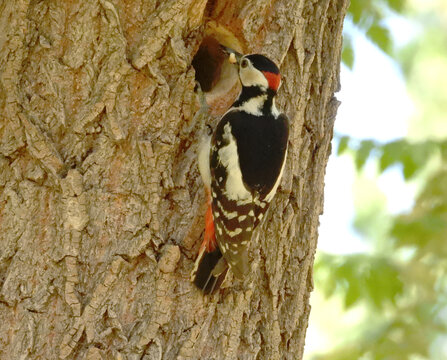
x: 411, y: 156
x: 369, y: 17
x: 403, y: 289
x: 402, y: 285
x: 360, y: 277
x: 424, y: 63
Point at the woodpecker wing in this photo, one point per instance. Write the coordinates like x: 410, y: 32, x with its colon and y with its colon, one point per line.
x: 262, y: 149
x: 278, y: 155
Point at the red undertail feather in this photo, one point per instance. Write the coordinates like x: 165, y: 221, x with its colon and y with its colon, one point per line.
x: 210, y: 268
x: 209, y: 239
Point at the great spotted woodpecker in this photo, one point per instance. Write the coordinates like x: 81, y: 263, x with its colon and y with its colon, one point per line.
x: 241, y: 165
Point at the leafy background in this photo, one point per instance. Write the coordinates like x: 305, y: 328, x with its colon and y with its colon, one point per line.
x: 389, y: 300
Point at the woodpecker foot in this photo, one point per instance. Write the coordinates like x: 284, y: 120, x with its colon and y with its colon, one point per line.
x: 209, y: 129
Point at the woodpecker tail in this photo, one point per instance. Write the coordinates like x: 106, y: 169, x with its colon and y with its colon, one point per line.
x: 211, y: 271
x: 210, y: 268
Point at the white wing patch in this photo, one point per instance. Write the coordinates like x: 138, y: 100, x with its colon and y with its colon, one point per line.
x: 234, y: 187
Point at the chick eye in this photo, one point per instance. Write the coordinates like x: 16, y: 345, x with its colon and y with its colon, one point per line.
x: 244, y: 63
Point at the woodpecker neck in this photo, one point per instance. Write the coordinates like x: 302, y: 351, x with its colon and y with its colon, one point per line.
x: 256, y: 100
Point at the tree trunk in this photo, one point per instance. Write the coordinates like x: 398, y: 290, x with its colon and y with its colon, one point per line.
x: 102, y: 207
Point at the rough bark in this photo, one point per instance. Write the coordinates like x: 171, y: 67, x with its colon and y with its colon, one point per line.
x: 101, y: 204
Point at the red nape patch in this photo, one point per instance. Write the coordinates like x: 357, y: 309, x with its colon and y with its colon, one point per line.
x: 273, y: 79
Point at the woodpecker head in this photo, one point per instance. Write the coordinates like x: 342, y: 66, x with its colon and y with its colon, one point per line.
x: 257, y: 70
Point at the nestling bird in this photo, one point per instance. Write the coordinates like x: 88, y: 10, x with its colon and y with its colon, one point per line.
x: 241, y: 165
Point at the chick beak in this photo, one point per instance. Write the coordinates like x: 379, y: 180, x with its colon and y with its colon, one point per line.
x: 233, y: 56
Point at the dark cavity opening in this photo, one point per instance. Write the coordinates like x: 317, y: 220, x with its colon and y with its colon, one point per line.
x: 208, y: 63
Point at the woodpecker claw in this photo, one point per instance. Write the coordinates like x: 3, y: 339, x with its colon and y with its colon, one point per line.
x: 209, y: 130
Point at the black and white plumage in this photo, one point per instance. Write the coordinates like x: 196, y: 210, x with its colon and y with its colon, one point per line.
x: 241, y: 165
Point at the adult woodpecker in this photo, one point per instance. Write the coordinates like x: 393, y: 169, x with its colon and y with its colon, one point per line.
x: 241, y: 165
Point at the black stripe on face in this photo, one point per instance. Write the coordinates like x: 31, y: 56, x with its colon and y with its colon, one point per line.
x: 249, y: 92
x: 263, y: 63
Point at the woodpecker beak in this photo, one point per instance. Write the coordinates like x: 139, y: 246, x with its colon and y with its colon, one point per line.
x: 233, y: 56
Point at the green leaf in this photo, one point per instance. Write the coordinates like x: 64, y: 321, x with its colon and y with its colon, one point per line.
x: 347, y: 54
x: 410, y: 167
x: 356, y: 9
x: 418, y: 155
x: 420, y: 230
x: 363, y: 152
x: 380, y: 36
x: 443, y: 148
x: 396, y: 5
x: 343, y: 145
x: 391, y: 154
x: 329, y: 286
x: 383, y: 282
x: 353, y: 293
x: 413, y: 157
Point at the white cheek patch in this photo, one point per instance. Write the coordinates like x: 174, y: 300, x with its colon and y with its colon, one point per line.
x: 234, y: 187
x: 252, y: 77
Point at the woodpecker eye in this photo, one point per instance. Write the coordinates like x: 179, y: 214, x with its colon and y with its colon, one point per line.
x: 244, y: 63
